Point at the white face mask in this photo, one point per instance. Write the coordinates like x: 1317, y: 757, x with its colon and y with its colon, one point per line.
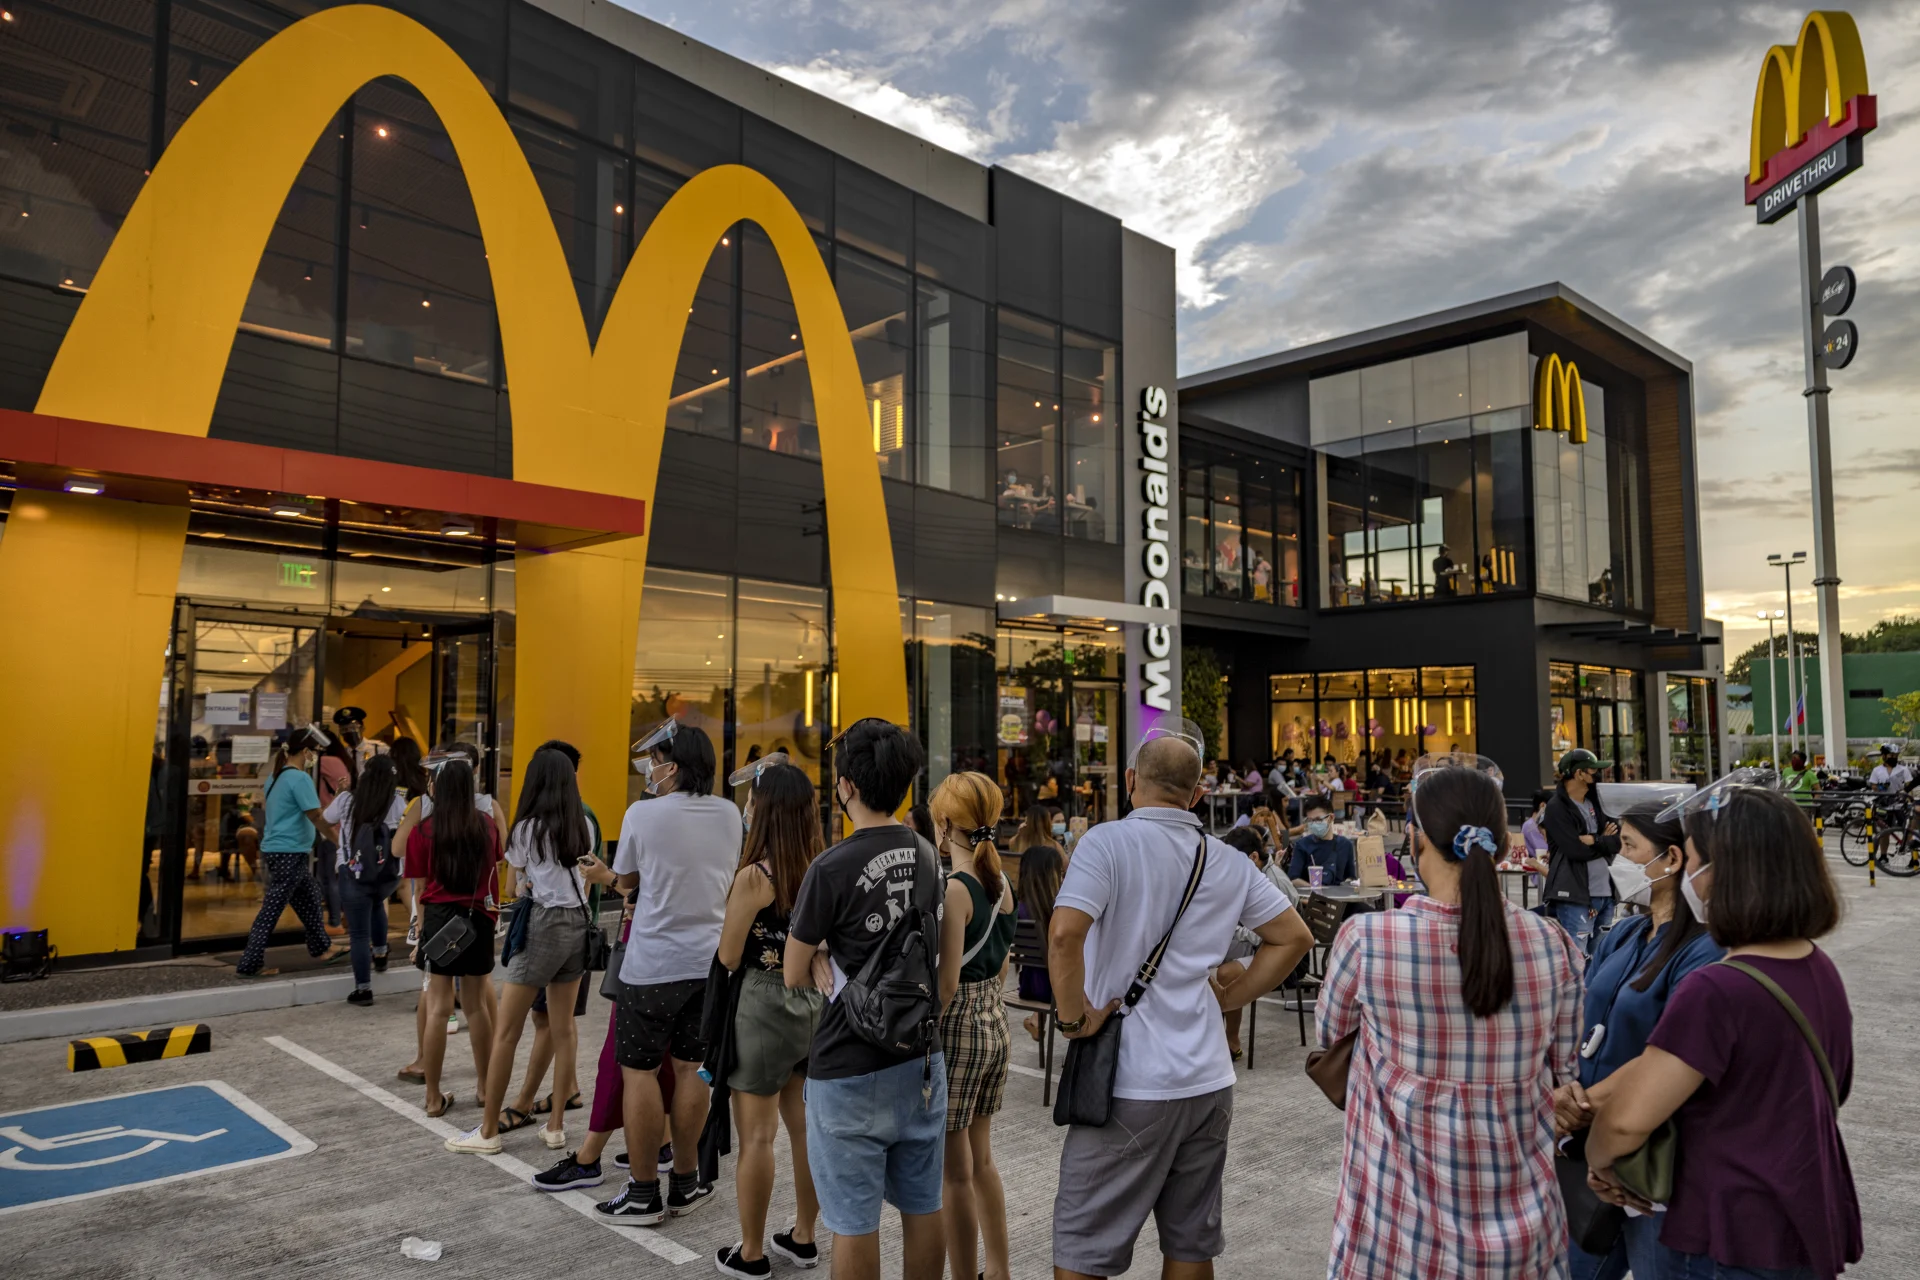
x: 1319, y: 828
x: 1631, y: 882
x: 658, y: 777
x: 1695, y: 902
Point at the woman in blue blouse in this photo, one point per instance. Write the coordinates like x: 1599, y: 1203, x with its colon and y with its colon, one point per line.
x: 1635, y: 967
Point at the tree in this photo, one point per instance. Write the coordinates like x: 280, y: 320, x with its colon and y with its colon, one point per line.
x: 1203, y: 687
x: 1898, y: 634
x: 1740, y: 670
x: 1903, y: 711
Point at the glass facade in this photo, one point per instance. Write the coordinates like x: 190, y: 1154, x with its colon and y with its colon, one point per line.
x: 1599, y: 708
x: 1693, y: 729
x: 1384, y: 716
x: 1057, y: 722
x: 1240, y: 532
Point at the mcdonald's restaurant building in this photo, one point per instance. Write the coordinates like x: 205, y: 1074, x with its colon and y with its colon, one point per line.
x: 1476, y: 530
x: 516, y: 371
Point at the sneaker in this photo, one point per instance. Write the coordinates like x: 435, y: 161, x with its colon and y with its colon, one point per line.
x: 472, y: 1143
x: 453, y: 1024
x: 379, y: 962
x: 621, y: 1162
x: 631, y: 1210
x: 730, y: 1263
x: 805, y: 1256
x: 566, y: 1174
x: 361, y: 996
x: 556, y: 1139
x: 665, y: 1164
x: 683, y: 1199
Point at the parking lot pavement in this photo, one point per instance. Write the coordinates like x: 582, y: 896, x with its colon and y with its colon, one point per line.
x: 323, y: 1163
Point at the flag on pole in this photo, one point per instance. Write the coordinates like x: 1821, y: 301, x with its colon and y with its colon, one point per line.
x: 1797, y: 718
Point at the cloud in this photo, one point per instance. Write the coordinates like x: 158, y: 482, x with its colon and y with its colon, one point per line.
x: 946, y: 120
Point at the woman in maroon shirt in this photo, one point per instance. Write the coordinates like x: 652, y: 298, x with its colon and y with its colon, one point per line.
x: 1762, y: 1187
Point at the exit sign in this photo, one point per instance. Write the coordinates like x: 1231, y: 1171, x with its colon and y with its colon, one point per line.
x: 294, y: 573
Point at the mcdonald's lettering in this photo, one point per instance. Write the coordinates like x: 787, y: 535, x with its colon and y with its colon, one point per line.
x: 148, y: 348
x: 1811, y: 108
x: 1559, y: 403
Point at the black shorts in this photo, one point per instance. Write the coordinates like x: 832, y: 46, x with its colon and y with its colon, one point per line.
x: 476, y: 961
x: 657, y: 1020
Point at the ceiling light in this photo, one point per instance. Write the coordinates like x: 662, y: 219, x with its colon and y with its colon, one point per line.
x: 457, y: 529
x: 288, y: 510
x: 380, y: 130
x: 90, y: 488
x: 619, y: 208
x: 6, y: 15
x: 725, y: 241
x: 1112, y: 628
x: 425, y: 301
x: 386, y: 588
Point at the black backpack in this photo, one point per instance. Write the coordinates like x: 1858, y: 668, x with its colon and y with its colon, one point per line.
x: 893, y: 1003
x: 370, y: 858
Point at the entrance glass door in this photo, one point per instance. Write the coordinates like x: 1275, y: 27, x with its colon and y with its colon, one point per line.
x: 463, y: 690
x: 1096, y: 711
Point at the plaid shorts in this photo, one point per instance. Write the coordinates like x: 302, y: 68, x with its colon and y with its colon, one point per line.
x: 973, y: 1035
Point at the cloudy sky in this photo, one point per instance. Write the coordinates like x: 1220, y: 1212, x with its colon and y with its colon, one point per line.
x: 1327, y: 165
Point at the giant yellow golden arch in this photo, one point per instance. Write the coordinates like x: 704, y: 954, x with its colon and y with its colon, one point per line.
x: 88, y: 583
x: 1816, y: 78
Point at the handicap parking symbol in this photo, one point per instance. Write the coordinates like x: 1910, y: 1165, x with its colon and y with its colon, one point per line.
x: 73, y: 1151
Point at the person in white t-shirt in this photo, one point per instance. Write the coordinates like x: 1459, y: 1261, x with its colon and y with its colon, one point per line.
x: 363, y: 903
x: 1890, y: 776
x: 678, y: 852
x: 1173, y: 1091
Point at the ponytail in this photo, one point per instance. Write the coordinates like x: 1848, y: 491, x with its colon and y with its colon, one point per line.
x: 972, y: 803
x: 1463, y: 816
x: 986, y: 860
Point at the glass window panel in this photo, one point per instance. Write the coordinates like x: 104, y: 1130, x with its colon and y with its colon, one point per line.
x: 801, y: 169
x: 952, y: 388
x: 702, y: 399
x: 256, y: 562
x: 1599, y: 533
x: 682, y: 665
x: 1447, y: 694
x: 1290, y: 711
x: 1333, y: 408
x: 1386, y: 397
x: 77, y: 108
x: 957, y: 688
x: 1393, y: 518
x: 1500, y: 497
x: 1029, y: 422
x: 781, y: 693
x: 1226, y: 552
x: 1256, y: 515
x: 1342, y: 705
x: 1572, y: 515
x: 877, y: 299
x: 776, y: 402
x: 1288, y: 519
x: 1090, y: 496
x: 586, y: 190
x: 418, y: 292
x: 1440, y: 385
x: 397, y: 565
x: 1446, y: 494
x: 1194, y: 540
x: 1498, y: 373
x: 1346, y: 519
x: 679, y: 127
x: 1546, y: 508
x: 564, y: 75
x: 1396, y: 718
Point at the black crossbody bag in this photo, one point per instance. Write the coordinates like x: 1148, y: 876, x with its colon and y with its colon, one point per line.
x: 1086, y: 1081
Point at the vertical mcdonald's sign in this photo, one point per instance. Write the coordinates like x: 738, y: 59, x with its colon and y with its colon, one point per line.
x: 149, y: 347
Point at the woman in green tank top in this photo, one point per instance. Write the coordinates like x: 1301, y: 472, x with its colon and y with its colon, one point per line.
x: 973, y: 1028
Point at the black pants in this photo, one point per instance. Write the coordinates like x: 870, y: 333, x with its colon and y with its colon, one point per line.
x: 288, y: 884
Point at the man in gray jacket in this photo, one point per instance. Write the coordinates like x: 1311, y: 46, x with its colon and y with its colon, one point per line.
x: 1581, y: 841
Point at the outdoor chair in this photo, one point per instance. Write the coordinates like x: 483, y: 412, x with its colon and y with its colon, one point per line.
x: 1030, y: 952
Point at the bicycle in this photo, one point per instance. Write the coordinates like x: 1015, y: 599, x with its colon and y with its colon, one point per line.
x: 1896, y: 840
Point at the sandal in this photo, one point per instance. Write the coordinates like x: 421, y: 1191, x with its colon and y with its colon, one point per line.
x: 412, y: 1075
x: 1032, y: 1024
x: 511, y: 1119
x: 544, y: 1107
x: 446, y: 1105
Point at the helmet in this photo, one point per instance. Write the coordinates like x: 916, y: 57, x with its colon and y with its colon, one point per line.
x: 1889, y: 751
x: 1577, y: 759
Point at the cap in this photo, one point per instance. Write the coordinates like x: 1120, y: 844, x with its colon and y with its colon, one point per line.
x: 347, y: 715
x: 1579, y: 758
x: 751, y: 771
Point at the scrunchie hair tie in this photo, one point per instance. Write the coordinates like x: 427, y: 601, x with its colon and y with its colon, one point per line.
x: 1467, y: 839
x: 980, y: 835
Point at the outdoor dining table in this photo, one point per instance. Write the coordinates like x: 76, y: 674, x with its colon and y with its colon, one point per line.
x: 1526, y: 884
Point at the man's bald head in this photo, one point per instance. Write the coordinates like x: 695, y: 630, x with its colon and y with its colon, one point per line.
x: 1166, y: 772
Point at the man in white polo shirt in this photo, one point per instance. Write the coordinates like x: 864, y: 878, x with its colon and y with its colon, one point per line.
x: 1165, y: 1146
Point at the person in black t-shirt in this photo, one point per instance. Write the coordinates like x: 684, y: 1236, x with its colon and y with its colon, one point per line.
x: 876, y: 1121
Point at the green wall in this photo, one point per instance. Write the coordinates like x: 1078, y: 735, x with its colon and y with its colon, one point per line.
x: 1890, y: 673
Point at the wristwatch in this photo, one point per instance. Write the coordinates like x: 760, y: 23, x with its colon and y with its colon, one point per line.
x: 1070, y: 1028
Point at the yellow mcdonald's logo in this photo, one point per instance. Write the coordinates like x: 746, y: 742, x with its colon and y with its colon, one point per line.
x: 149, y: 347
x: 1816, y: 80
x: 1559, y: 403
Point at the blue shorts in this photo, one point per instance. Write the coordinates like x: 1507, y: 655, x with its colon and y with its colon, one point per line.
x: 872, y: 1138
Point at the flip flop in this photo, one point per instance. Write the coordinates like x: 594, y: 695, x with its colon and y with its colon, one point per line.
x: 446, y: 1105
x: 511, y: 1119
x: 544, y: 1107
x: 412, y: 1075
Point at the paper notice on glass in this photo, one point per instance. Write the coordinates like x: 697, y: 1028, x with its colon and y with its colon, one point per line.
x: 273, y: 711
x: 251, y: 748
x: 1083, y: 731
x: 228, y: 708
x: 1099, y: 734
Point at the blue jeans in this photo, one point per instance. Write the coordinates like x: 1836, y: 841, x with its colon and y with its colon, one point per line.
x: 365, y: 907
x: 1637, y: 1248
x: 872, y: 1138
x: 1675, y: 1265
x: 1584, y: 924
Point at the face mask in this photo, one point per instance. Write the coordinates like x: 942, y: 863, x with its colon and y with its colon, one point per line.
x: 1631, y: 882
x: 1059, y: 828
x: 1319, y: 828
x: 1694, y: 901
x: 658, y: 778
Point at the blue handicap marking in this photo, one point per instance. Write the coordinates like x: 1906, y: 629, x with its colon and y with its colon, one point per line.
x: 82, y: 1149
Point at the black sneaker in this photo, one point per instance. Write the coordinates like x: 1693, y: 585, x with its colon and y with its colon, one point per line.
x: 729, y: 1263
x: 621, y: 1162
x: 637, y: 1205
x: 360, y: 996
x: 379, y: 962
x: 805, y: 1256
x: 665, y: 1164
x: 684, y: 1195
x: 566, y: 1174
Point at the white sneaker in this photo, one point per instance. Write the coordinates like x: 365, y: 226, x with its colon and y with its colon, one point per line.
x: 471, y: 1143
x: 556, y: 1139
x: 453, y: 1024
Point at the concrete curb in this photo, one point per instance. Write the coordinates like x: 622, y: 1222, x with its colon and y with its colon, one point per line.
x: 103, y: 1016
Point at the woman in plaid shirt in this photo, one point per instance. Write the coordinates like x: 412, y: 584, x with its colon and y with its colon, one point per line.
x: 1468, y: 1014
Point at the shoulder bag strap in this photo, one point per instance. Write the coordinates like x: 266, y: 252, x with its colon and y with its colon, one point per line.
x: 1799, y: 1020
x: 1150, y: 967
x: 975, y: 949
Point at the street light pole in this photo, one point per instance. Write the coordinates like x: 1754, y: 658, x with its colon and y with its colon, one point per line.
x: 1773, y: 696
x: 1796, y: 678
x: 1826, y: 560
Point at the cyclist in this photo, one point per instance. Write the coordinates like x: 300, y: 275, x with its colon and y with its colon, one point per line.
x: 1892, y: 780
x: 1890, y: 776
x: 1800, y: 778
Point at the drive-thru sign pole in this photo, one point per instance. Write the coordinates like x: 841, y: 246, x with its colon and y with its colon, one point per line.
x: 1826, y: 559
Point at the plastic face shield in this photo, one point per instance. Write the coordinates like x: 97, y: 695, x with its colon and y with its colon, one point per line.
x: 751, y: 771
x: 1455, y: 760
x: 1171, y: 727
x: 643, y: 748
x: 1709, y: 799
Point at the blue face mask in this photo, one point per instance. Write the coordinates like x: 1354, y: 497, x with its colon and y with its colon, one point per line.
x: 1320, y: 828
x: 1059, y: 828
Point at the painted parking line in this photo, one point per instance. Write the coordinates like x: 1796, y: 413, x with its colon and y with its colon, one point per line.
x: 648, y: 1238
x: 78, y: 1150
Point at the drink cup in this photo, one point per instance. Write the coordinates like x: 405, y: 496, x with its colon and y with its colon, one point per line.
x: 1316, y: 876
